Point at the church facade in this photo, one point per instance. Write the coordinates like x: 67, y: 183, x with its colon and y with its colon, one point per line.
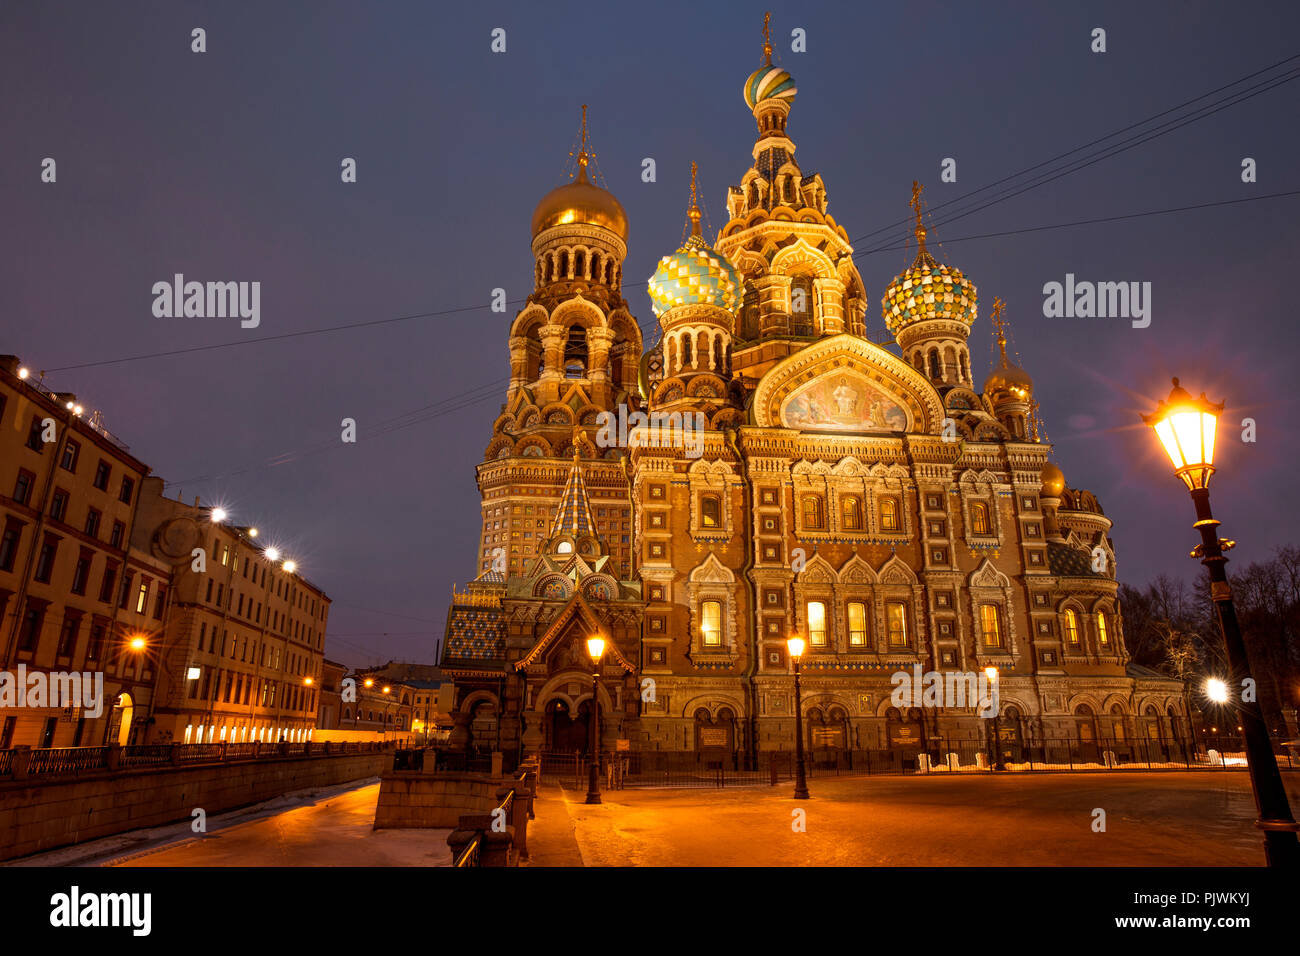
x: 867, y: 497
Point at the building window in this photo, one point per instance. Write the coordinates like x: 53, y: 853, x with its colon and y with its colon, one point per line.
x: 102, y: 472
x: 23, y: 486
x: 96, y: 642
x: 812, y: 512
x: 119, y: 530
x: 92, y: 523
x: 71, y: 451
x: 857, y: 624
x: 979, y: 518
x: 128, y: 489
x: 1071, y: 627
x: 142, y: 596
x: 889, y: 514
x: 81, y: 572
x: 710, y: 511
x: 59, y: 505
x: 31, y: 630
x: 896, y: 621
x: 1103, y: 635
x: 990, y: 626
x: 711, y: 623
x: 45, y: 562
x: 68, y: 634
x: 851, y: 512
x: 816, y: 623
x: 34, y: 440
x: 9, y: 544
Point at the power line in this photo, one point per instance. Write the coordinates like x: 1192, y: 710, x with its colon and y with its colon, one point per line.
x: 1088, y: 222
x: 1114, y: 150
x: 1094, y: 142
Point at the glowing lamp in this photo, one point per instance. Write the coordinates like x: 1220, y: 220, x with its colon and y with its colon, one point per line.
x: 273, y: 554
x: 290, y: 566
x: 218, y: 515
x: 796, y: 646
x: 137, y: 643
x: 1216, y: 690
x: 596, y: 647
x: 1186, y: 428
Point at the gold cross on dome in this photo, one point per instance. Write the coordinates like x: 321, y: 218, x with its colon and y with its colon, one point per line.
x: 767, y: 38
x: 1000, y: 326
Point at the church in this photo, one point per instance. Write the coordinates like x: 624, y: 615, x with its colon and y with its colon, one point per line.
x: 869, y: 498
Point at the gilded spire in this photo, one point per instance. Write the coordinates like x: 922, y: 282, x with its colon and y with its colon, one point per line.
x: 1000, y: 327
x: 584, y: 156
x: 767, y: 38
x: 922, y: 254
x: 693, y: 214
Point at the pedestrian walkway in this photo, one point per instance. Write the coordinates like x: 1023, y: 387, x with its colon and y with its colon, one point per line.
x: 551, y: 837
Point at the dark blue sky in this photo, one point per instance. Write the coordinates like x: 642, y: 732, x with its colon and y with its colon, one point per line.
x: 225, y: 166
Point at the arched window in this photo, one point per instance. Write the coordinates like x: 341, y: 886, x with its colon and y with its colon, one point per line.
x: 579, y: 264
x: 1117, y: 721
x: 896, y: 622
x: 801, y: 305
x: 812, y: 512
x: 710, y: 511
x: 934, y: 364
x: 979, y: 518
x: 1103, y: 634
x: 990, y: 626
x: 1071, y: 627
x: 857, y: 624
x: 817, y: 623
x: 851, y: 512
x: 749, y: 315
x: 889, y: 514
x: 711, y: 623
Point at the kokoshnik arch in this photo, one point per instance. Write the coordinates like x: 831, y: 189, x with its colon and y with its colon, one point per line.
x: 875, y: 503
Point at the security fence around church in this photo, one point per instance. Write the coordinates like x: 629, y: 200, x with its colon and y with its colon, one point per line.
x: 652, y: 769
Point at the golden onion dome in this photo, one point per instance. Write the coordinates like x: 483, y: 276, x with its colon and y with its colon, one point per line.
x: 580, y: 203
x: 1053, y: 481
x: 1008, y: 378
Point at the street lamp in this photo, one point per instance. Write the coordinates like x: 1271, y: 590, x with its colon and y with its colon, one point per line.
x: 796, y: 646
x: 991, y: 673
x: 1186, y: 427
x: 596, y: 648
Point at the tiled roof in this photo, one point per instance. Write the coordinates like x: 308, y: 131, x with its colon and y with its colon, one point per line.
x: 1066, y: 562
x: 574, y: 515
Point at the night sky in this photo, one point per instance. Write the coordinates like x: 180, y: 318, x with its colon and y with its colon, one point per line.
x: 225, y: 166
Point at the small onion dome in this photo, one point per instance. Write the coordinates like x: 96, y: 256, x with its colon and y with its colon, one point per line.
x: 1053, y: 481
x: 928, y: 290
x: 695, y: 275
x: 580, y: 203
x: 769, y: 83
x: 1008, y: 378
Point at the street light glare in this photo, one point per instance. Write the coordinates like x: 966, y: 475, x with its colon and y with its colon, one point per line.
x: 1216, y: 690
x: 273, y: 554
x: 596, y: 647
x: 137, y: 643
x: 290, y: 566
x: 218, y: 515
x: 796, y: 646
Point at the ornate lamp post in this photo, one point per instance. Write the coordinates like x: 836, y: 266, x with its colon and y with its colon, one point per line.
x: 596, y: 648
x: 796, y: 646
x: 1186, y: 427
x: 995, y: 757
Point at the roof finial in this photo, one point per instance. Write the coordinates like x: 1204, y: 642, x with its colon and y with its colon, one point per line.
x: 583, y: 155
x: 767, y: 38
x: 917, y: 189
x: 693, y: 214
x: 1000, y: 326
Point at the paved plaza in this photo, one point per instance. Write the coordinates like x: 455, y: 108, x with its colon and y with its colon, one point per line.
x: 1151, y: 819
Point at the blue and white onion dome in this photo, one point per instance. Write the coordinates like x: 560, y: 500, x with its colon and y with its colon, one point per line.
x: 695, y: 275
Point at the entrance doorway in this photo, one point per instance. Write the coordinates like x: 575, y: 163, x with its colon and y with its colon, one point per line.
x: 565, y: 732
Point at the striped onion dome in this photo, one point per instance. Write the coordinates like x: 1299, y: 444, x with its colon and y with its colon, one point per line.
x: 769, y: 82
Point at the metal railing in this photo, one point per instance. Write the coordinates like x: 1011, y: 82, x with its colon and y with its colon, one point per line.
x: 472, y: 853
x: 59, y: 761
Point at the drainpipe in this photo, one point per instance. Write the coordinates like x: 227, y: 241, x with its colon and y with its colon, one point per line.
x: 751, y: 738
